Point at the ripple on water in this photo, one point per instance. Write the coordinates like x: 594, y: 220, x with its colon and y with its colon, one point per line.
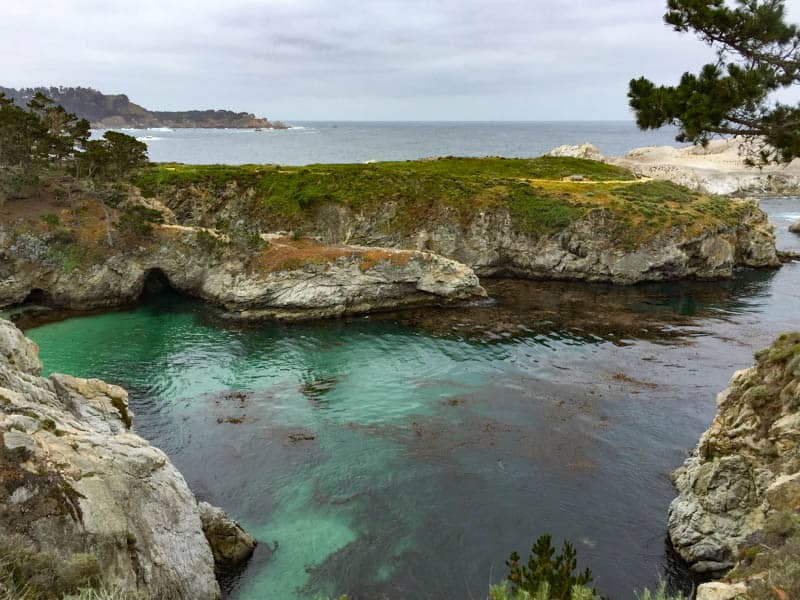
x: 405, y: 455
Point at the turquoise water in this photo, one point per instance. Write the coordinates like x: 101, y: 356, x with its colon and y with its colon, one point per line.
x: 406, y: 455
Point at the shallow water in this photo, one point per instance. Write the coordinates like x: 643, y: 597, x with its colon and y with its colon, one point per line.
x: 406, y: 455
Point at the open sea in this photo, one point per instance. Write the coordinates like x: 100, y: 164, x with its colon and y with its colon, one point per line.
x: 344, y: 142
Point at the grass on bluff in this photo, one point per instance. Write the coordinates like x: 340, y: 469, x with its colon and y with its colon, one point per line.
x: 539, y: 193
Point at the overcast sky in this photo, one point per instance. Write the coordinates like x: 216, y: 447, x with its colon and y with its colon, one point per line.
x: 352, y: 60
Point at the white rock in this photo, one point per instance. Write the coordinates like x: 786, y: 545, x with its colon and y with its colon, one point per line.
x: 92, y: 486
x: 720, y: 591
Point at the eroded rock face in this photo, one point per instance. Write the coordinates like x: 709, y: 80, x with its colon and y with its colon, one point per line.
x: 287, y: 278
x: 74, y: 479
x: 230, y: 544
x: 587, y: 250
x: 746, y: 466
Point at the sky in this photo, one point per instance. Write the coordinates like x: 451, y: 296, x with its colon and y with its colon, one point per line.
x: 518, y: 60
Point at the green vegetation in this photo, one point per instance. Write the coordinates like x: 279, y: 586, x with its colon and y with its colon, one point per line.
x: 46, y: 139
x: 65, y: 249
x: 26, y: 574
x: 547, y: 572
x: 539, y: 194
x: 774, y: 552
x: 758, y: 54
x: 114, y: 157
x: 543, y: 592
x: 138, y: 220
x: 33, y: 140
x: 660, y: 594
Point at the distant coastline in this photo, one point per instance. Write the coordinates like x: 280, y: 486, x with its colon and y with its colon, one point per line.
x: 116, y: 111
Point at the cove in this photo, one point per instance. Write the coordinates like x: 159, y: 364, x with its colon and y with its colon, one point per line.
x: 406, y: 455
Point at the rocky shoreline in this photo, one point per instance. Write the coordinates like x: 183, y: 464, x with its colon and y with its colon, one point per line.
x: 97, y: 264
x: 741, y: 484
x: 544, y: 219
x: 719, y: 168
x: 77, y: 481
x: 89, y: 502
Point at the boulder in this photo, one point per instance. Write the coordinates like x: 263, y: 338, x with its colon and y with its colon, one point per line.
x: 716, y: 590
x: 77, y: 486
x: 586, y: 151
x: 230, y: 544
x: 795, y: 227
x: 784, y: 493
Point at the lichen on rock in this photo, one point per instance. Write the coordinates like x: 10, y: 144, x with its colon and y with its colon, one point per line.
x: 746, y: 466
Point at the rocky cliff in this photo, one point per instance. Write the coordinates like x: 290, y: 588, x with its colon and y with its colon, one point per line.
x: 554, y: 218
x: 83, y: 499
x: 744, y: 475
x: 89, y: 256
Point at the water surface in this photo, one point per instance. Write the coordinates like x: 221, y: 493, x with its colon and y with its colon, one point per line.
x: 405, y: 455
x: 344, y: 142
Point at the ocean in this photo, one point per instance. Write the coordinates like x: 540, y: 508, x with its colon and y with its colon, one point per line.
x: 309, y: 142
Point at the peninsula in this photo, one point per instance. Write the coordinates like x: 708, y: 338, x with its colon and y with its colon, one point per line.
x: 107, y: 111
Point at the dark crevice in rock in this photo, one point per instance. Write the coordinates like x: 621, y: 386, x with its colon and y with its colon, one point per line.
x: 38, y: 296
x: 155, y: 284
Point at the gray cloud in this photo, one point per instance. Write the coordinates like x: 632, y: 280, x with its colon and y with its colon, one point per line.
x: 314, y: 59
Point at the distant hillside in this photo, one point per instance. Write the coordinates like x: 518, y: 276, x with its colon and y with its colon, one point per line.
x: 107, y: 111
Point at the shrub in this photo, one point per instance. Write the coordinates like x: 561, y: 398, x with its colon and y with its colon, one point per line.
x: 659, y: 594
x: 501, y: 592
x: 30, y: 575
x: 208, y: 242
x: 545, y: 567
x: 138, y: 220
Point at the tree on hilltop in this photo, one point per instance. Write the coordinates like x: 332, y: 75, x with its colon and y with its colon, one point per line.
x: 115, y: 156
x: 758, y: 54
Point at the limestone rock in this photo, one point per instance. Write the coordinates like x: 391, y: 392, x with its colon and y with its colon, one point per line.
x: 586, y: 151
x: 230, y: 543
x: 587, y: 250
x: 286, y: 279
x: 75, y: 480
x: 717, y: 590
x: 784, y: 493
x: 718, y: 168
x: 747, y: 465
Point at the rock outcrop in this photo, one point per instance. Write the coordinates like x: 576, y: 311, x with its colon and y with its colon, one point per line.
x: 551, y: 218
x: 92, y: 265
x: 230, y: 544
x: 587, y: 151
x: 719, y: 168
x: 76, y: 482
x: 589, y: 249
x: 746, y: 466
